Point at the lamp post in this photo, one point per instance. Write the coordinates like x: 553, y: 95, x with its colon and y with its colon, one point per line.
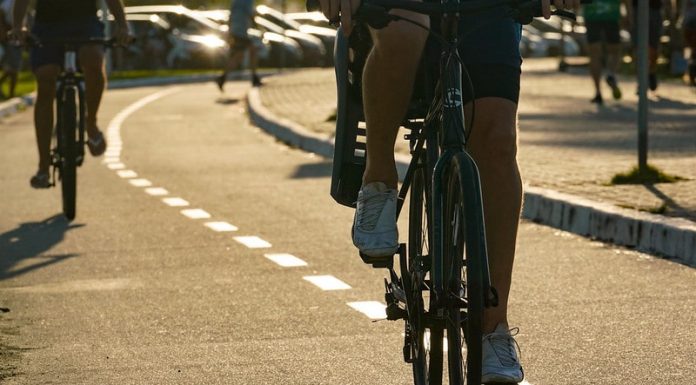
x: 642, y: 71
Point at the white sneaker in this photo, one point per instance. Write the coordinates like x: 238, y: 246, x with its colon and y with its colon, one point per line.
x: 500, y: 362
x: 374, y: 225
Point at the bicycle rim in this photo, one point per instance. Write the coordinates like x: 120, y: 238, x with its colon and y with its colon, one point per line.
x: 426, y: 340
x: 68, y: 152
x: 464, y: 281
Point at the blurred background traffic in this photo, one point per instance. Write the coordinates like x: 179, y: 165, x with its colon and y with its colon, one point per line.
x: 194, y: 36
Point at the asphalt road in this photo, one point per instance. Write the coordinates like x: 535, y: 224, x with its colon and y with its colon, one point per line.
x: 135, y: 292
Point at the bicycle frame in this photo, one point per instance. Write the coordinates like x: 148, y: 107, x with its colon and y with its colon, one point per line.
x: 69, y: 77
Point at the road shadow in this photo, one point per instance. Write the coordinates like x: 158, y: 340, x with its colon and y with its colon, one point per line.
x: 663, y: 102
x: 313, y: 170
x: 671, y: 206
x: 32, y: 240
x: 227, y: 101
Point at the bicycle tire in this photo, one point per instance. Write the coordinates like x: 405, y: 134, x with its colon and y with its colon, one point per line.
x: 427, y: 340
x: 464, y: 251
x: 68, y: 151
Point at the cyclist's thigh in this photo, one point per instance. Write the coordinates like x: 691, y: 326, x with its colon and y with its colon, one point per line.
x: 91, y: 58
x: 401, y: 36
x: 491, y: 56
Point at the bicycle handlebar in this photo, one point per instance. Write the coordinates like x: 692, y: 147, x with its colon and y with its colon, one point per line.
x: 374, y: 12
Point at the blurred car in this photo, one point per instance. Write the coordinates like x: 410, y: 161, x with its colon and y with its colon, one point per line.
x: 310, y: 18
x: 326, y: 35
x: 314, y: 53
x: 555, y: 42
x: 282, y: 50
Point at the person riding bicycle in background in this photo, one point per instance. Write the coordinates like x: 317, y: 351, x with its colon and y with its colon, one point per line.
x: 12, y: 58
x: 66, y: 19
x: 491, y: 56
x: 602, y: 20
x: 241, y: 19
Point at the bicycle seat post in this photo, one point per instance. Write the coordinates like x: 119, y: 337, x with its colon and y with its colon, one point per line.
x: 70, y: 59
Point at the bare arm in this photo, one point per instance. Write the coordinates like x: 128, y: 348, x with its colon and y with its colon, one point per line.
x: 19, y: 11
x: 121, y: 31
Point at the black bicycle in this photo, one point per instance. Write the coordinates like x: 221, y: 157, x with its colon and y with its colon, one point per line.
x: 68, y: 151
x: 444, y: 285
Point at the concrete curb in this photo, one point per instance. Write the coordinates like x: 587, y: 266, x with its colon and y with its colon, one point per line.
x: 672, y: 238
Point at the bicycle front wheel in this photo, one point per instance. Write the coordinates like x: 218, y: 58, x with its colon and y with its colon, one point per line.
x: 464, y: 253
x: 426, y: 339
x: 67, y: 129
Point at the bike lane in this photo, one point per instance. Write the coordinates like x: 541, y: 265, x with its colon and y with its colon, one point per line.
x: 170, y: 300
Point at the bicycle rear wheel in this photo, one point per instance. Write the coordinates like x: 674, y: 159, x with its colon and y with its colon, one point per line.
x: 463, y: 257
x: 426, y: 339
x: 67, y: 129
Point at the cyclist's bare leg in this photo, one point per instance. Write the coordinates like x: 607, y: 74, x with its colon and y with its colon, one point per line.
x: 92, y: 63
x: 493, y: 145
x: 387, y: 86
x: 46, y: 77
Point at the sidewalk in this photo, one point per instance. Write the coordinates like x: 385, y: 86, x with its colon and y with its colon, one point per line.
x: 567, y: 144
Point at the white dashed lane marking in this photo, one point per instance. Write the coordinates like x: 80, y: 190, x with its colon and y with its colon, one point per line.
x: 327, y: 282
x: 127, y: 174
x: 116, y: 166
x: 112, y: 159
x: 221, y: 226
x: 175, y: 202
x: 140, y: 182
x: 157, y: 191
x: 253, y: 242
x: 372, y: 309
x: 286, y: 260
x: 195, y: 213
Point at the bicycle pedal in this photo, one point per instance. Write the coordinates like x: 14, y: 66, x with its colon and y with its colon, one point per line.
x: 384, y: 262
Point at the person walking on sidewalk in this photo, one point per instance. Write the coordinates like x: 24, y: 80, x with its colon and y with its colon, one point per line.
x: 66, y: 19
x: 654, y: 33
x: 602, y: 19
x: 689, y: 26
x: 241, y: 19
x: 492, y: 58
x: 12, y: 60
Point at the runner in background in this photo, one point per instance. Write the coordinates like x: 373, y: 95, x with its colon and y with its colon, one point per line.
x: 602, y: 19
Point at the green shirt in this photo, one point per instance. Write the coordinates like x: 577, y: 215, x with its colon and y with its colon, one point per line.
x: 602, y: 10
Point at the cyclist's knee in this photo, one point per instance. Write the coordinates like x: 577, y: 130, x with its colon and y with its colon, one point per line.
x: 495, y: 130
x: 46, y: 77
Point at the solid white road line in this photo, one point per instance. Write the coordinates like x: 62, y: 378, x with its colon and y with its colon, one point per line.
x: 175, y: 202
x: 127, y: 174
x: 140, y: 182
x: 221, y: 226
x: 253, y: 242
x: 372, y: 309
x: 327, y: 282
x: 195, y: 213
x: 286, y: 260
x: 156, y: 191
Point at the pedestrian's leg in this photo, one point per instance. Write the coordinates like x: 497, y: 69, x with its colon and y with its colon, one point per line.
x: 92, y: 63
x: 46, y: 77
x: 13, y: 83
x: 613, y: 62
x: 595, y: 51
x: 387, y: 86
x: 493, y: 145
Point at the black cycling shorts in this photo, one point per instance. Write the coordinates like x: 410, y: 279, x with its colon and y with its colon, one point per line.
x: 491, y: 80
x: 239, y: 43
x: 490, y: 53
x: 598, y: 31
